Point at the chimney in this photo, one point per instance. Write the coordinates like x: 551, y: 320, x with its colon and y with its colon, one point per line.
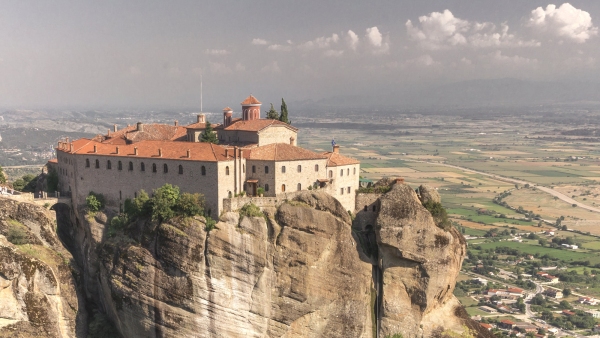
x: 71, y: 148
x: 115, y: 128
x: 400, y: 180
x: 67, y: 140
x: 140, y: 126
x: 226, y: 153
x: 227, y: 115
x: 336, y: 149
x: 135, y: 150
x: 95, y: 149
x: 241, y: 153
x: 189, y: 153
x: 201, y: 118
x: 292, y: 141
x: 176, y: 123
x: 159, y: 152
x: 117, y: 150
x: 108, y: 132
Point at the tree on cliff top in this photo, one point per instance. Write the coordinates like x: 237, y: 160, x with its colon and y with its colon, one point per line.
x: 3, y: 176
x: 272, y: 114
x: 284, y: 112
x: 208, y: 135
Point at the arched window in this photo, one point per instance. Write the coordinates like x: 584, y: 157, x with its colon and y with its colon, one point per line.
x: 354, y: 171
x: 87, y: 162
x: 341, y: 191
x: 108, y: 165
x: 97, y: 164
x: 283, y: 169
x: 366, y: 208
x: 341, y: 172
x: 227, y: 170
x: 254, y: 169
x: 120, y: 195
x: 180, y: 169
x: 316, y: 167
x: 374, y: 208
x: 348, y: 172
x: 348, y: 189
x: 153, y: 167
x: 299, y: 168
x: 130, y: 166
x: 229, y: 194
x: 299, y: 186
x: 203, y: 170
x: 165, y: 168
x: 142, y: 166
x: 120, y: 165
x: 266, y: 169
x: 283, y: 188
x: 266, y: 187
x: 330, y: 173
x: 244, y: 168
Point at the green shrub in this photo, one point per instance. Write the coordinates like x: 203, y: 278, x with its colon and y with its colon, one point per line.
x: 164, y: 202
x: 260, y: 191
x: 189, y: 205
x: 211, y: 224
x: 439, y: 214
x: 251, y: 210
x: 17, y: 233
x: 52, y: 181
x: 117, y: 223
x: 95, y: 202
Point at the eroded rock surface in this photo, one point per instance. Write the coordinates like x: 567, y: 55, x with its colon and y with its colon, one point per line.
x: 38, y: 293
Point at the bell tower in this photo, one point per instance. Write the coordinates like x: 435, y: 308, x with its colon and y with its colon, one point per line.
x: 250, y: 108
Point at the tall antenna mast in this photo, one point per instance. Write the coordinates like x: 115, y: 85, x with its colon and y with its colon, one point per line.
x: 201, y: 93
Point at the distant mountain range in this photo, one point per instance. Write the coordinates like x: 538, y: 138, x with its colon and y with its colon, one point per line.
x: 469, y: 94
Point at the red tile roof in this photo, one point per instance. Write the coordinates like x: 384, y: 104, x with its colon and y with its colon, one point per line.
x: 250, y: 100
x: 257, y: 125
x: 335, y: 159
x: 486, y: 326
x: 506, y: 321
x: 282, y: 152
x: 227, y: 109
x: 54, y: 160
x: 149, y: 149
x: 201, y: 125
x: 154, y: 131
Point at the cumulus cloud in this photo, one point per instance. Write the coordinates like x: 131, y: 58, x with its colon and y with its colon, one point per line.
x: 272, y: 67
x: 321, y: 42
x: 352, y: 39
x: 565, y: 21
x: 216, y: 52
x: 376, y: 40
x: 443, y: 30
x: 259, y: 42
x: 423, y: 61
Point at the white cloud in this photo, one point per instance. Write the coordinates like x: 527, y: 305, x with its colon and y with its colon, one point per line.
x: 272, y: 67
x: 438, y: 30
x: 281, y: 48
x: 239, y: 67
x: 216, y: 52
x: 443, y: 30
x: 465, y: 61
x: 376, y: 40
x: 259, y: 42
x: 565, y: 21
x: 498, y: 57
x: 352, y: 39
x: 334, y: 53
x: 321, y: 42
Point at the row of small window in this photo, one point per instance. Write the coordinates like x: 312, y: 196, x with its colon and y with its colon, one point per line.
x: 348, y: 190
x: 142, y: 167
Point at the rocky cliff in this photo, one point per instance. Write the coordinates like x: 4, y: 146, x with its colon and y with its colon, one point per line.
x: 38, y: 290
x: 303, y: 269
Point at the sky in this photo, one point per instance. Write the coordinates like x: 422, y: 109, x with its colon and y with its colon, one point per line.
x: 147, y: 53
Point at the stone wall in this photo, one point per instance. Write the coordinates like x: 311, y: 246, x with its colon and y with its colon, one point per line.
x: 367, y: 210
x: 277, y: 134
x: 349, y: 179
x: 235, y: 203
x: 306, y: 177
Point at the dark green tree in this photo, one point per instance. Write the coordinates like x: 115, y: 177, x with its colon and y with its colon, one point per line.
x: 208, y: 135
x: 272, y: 114
x: 284, y: 112
x: 52, y: 181
x: 3, y: 176
x: 164, y: 201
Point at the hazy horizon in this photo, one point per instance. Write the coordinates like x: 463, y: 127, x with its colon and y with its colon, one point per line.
x: 144, y: 54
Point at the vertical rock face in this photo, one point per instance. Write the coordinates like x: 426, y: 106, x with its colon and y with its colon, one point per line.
x: 295, y: 273
x: 38, y: 294
x: 420, y: 263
